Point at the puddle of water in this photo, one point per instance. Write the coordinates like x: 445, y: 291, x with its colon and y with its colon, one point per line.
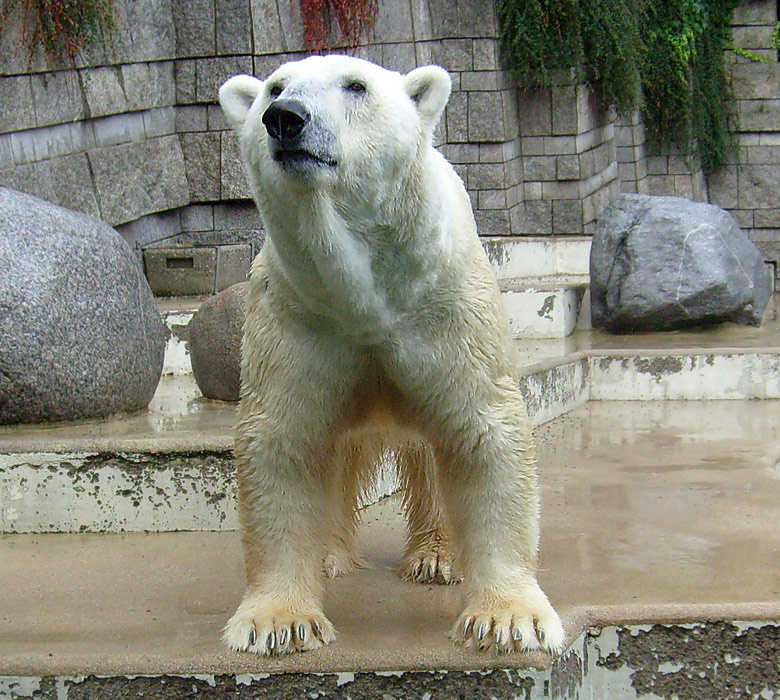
x: 663, y: 500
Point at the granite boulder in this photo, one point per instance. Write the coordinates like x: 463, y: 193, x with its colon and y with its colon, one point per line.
x: 662, y: 263
x: 80, y: 333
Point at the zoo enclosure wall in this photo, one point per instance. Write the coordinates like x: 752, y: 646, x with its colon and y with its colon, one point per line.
x: 132, y: 133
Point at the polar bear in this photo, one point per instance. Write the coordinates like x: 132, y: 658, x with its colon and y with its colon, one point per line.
x: 373, y: 323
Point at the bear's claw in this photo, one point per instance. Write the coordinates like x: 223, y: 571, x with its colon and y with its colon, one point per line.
x: 428, y: 567
x: 277, y: 632
x: 511, y: 627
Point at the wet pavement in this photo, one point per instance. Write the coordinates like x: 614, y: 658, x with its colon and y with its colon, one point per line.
x: 652, y: 511
x: 716, y: 337
x: 178, y: 418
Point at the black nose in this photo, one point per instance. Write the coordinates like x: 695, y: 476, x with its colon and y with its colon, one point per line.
x: 285, y: 119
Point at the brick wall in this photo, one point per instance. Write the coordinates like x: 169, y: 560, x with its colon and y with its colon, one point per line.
x: 647, y: 168
x: 133, y: 135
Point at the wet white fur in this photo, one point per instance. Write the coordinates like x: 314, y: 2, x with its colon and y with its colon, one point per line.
x: 374, y: 323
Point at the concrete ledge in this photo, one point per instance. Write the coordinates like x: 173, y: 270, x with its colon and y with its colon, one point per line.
x: 169, y: 469
x: 617, y: 662
x: 544, y: 307
x: 630, y: 539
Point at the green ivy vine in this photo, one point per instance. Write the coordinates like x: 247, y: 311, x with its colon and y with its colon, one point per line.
x: 663, y: 56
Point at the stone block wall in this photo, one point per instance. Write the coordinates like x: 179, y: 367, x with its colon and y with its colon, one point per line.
x: 133, y: 133
x: 647, y: 168
x: 568, y: 156
x: 750, y: 187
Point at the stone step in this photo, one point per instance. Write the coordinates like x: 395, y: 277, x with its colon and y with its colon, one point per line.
x: 544, y: 307
x: 537, y: 307
x: 538, y: 256
x: 655, y: 551
x: 171, y: 469
x: 543, y: 280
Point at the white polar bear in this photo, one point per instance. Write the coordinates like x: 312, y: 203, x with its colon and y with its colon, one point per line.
x: 374, y: 322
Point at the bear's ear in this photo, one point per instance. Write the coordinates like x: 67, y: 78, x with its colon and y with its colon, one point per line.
x: 429, y: 87
x: 236, y: 97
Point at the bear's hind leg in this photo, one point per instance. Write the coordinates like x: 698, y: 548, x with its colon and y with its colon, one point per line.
x: 349, y: 470
x: 428, y: 557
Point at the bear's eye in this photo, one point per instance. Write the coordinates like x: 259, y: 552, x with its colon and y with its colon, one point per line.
x: 356, y: 86
x: 275, y: 90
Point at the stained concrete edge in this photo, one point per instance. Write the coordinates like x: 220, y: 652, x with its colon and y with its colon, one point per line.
x: 660, y: 661
x: 577, y: 622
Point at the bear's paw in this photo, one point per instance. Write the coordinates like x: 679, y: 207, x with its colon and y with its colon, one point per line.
x: 527, y: 623
x: 340, y: 562
x: 428, y: 566
x: 270, y: 631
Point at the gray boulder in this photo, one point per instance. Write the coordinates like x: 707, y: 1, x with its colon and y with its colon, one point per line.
x: 80, y: 333
x: 661, y: 263
x: 215, y: 333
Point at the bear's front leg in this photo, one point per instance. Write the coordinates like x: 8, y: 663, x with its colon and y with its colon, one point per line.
x: 283, y: 520
x: 471, y: 410
x: 490, y: 482
x: 298, y: 386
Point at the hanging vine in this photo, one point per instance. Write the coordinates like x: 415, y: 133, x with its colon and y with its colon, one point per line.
x: 62, y: 28
x: 665, y: 56
x: 354, y: 18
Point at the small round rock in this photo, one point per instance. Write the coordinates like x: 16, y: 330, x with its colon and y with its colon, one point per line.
x: 215, y: 333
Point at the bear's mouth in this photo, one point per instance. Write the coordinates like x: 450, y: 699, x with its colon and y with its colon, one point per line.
x: 298, y: 156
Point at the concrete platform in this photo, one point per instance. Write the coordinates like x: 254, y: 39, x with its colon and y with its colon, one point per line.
x: 170, y: 468
x: 659, y: 545
x: 657, y: 512
x: 180, y: 418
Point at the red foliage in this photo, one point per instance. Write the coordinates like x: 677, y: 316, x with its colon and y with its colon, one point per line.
x: 354, y: 18
x: 63, y: 28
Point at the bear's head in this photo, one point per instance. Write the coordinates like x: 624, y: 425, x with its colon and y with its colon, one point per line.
x: 330, y: 120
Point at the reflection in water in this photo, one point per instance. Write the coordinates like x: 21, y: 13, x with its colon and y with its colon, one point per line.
x: 662, y: 501
x: 177, y: 412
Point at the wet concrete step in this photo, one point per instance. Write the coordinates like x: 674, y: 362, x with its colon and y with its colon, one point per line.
x: 171, y: 468
x: 659, y: 542
x: 537, y: 307
x: 517, y: 257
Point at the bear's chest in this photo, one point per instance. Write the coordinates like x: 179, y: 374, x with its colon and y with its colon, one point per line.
x: 367, y: 287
